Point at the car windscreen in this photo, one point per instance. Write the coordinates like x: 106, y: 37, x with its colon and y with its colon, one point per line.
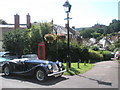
x: 2, y: 53
x: 32, y: 56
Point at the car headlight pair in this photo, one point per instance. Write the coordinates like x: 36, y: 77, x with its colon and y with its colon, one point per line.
x: 49, y: 66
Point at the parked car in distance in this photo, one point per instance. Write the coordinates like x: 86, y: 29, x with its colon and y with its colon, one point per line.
x: 8, y: 55
x: 2, y: 61
x: 27, y: 65
x: 117, y: 55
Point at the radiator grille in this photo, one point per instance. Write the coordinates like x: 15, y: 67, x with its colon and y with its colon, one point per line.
x: 55, y: 68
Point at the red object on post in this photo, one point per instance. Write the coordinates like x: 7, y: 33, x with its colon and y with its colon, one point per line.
x: 41, y: 51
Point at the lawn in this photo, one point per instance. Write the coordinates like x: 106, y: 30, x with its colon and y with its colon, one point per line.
x: 74, y: 70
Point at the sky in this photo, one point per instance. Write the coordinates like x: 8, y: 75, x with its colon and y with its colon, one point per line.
x: 84, y: 13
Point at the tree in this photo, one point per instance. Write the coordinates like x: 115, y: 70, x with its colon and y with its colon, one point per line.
x: 45, y: 28
x: 114, y: 26
x: 86, y: 33
x: 17, y: 41
x: 117, y: 44
x: 26, y: 41
x: 3, y: 22
x: 36, y: 38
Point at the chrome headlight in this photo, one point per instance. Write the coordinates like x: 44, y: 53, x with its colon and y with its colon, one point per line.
x: 60, y: 64
x: 49, y: 66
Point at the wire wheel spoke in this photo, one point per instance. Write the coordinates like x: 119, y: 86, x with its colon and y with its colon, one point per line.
x: 6, y: 71
x: 40, y: 75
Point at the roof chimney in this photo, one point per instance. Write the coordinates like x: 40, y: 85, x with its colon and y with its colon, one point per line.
x: 16, y: 20
x: 28, y: 21
x: 73, y: 27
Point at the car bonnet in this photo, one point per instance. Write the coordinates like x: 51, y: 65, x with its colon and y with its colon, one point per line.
x: 39, y: 61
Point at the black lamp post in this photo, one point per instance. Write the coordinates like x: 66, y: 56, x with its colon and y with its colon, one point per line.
x: 67, y: 8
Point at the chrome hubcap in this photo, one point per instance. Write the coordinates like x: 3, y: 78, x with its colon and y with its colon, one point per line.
x: 40, y: 75
x: 6, y: 71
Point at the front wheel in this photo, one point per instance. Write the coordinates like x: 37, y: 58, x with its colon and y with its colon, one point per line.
x: 40, y: 75
x: 6, y: 71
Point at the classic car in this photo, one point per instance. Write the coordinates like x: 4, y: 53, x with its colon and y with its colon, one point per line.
x: 41, y: 69
x: 6, y: 56
x: 2, y: 61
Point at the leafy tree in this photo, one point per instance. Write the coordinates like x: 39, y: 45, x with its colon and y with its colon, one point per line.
x: 3, y: 22
x: 117, y: 44
x: 26, y: 41
x: 45, y: 28
x: 96, y: 35
x: 100, y: 30
x: 17, y: 41
x: 87, y: 33
x: 114, y: 26
x: 36, y: 38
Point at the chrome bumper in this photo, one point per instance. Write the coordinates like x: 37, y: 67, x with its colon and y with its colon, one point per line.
x: 55, y: 73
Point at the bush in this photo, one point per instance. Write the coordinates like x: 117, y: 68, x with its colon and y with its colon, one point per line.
x: 17, y: 41
x: 95, y: 56
x: 59, y: 51
x: 106, y: 55
x: 75, y: 53
x: 95, y: 48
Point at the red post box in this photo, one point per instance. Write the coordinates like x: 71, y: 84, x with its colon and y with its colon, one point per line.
x: 41, y: 51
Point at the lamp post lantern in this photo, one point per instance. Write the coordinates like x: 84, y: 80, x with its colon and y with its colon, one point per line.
x: 67, y: 8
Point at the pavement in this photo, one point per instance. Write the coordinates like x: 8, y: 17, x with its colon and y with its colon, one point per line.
x: 102, y: 75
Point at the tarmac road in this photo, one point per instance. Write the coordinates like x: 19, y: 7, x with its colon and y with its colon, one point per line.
x: 103, y: 75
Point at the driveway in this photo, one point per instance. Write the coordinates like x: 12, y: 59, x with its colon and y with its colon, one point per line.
x: 103, y: 75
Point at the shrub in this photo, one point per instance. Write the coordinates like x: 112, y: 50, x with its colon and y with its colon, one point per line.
x: 106, y: 55
x: 95, y: 48
x: 95, y: 56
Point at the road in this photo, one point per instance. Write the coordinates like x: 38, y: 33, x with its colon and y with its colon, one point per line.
x: 103, y: 75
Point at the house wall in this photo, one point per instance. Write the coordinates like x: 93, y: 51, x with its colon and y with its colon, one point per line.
x: 1, y: 49
x: 0, y: 33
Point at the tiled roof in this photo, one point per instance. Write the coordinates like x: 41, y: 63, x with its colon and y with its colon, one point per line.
x: 62, y: 30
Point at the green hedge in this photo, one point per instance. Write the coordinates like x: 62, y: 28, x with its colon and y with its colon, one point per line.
x: 106, y: 54
x: 59, y: 52
x: 95, y: 56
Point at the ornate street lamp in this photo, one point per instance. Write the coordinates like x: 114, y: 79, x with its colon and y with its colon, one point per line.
x: 67, y: 8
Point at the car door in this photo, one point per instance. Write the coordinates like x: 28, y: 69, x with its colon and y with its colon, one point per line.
x: 19, y: 66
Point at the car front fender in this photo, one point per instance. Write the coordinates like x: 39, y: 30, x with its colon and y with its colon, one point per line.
x: 33, y: 69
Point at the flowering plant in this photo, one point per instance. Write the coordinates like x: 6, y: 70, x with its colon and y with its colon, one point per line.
x: 49, y: 37
x: 61, y: 36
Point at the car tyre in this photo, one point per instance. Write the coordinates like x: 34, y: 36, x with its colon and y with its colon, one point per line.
x: 40, y: 75
x: 6, y: 71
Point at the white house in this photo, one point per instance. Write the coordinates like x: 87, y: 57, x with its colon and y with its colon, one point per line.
x: 73, y: 34
x: 104, y: 43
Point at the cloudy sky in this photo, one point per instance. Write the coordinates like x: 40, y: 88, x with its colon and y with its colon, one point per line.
x: 84, y: 13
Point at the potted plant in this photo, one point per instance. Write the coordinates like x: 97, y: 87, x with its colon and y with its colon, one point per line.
x: 61, y: 36
x: 49, y: 37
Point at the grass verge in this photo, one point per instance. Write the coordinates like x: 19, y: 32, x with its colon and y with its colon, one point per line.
x: 74, y: 70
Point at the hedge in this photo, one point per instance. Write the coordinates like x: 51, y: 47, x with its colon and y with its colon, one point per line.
x: 95, y: 56
x: 106, y: 54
